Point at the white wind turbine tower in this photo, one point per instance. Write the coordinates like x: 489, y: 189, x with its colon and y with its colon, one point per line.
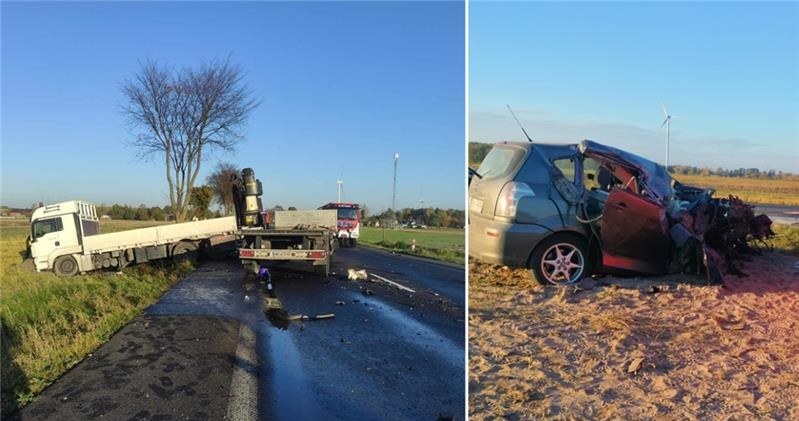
x: 340, y: 185
x: 667, y: 123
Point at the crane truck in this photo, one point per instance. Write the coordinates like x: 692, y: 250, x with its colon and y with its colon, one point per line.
x: 299, y: 236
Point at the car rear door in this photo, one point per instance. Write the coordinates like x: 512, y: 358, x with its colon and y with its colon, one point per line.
x: 634, y: 233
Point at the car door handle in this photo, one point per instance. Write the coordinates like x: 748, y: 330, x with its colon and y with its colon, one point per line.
x: 620, y: 205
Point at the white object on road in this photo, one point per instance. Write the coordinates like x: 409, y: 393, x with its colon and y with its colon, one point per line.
x: 356, y: 275
x: 388, y: 281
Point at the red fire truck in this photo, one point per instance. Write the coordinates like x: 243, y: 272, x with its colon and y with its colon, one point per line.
x: 348, y: 224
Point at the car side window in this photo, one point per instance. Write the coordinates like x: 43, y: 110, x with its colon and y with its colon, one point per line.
x: 46, y: 226
x: 567, y: 167
x: 590, y: 174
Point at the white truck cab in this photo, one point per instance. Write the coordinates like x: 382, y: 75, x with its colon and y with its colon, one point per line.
x: 59, y: 229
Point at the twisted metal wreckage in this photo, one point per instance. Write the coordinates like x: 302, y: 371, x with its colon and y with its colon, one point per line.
x: 643, y: 220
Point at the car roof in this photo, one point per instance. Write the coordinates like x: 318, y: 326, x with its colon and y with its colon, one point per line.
x: 549, y: 150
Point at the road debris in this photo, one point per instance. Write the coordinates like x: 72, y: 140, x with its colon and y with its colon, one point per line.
x: 728, y: 323
x: 340, y: 303
x: 635, y: 365
x: 655, y: 289
x: 357, y: 275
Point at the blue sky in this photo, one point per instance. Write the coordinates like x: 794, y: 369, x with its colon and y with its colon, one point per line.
x: 343, y: 87
x: 602, y: 70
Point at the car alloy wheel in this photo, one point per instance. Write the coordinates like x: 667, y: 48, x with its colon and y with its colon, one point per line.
x: 562, y: 264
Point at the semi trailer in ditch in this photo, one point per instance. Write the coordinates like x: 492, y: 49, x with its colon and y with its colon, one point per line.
x: 65, y: 238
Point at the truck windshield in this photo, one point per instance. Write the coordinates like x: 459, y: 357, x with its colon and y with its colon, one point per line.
x: 45, y: 226
x: 348, y: 213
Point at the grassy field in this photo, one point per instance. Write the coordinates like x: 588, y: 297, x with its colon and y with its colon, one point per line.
x: 773, y: 192
x: 787, y: 239
x: 440, y: 244
x: 49, y: 324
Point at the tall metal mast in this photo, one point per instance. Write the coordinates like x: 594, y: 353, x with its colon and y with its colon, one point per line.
x: 394, y: 196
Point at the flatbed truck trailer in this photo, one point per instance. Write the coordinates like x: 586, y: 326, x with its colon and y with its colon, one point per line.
x: 65, y: 238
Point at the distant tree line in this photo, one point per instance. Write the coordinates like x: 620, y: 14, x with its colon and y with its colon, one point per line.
x: 199, y: 205
x: 431, y: 217
x: 478, y: 152
x: 739, y: 172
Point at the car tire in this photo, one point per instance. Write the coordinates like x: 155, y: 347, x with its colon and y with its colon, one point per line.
x: 65, y: 266
x: 560, y: 259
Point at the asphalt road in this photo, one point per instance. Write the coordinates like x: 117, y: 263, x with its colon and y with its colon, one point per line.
x: 387, y: 354
x: 788, y: 215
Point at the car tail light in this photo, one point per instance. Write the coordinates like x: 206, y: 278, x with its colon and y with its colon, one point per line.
x: 246, y: 253
x: 316, y: 255
x: 509, y: 198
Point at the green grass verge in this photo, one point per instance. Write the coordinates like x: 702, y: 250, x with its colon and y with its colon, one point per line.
x: 787, y: 239
x: 441, y: 244
x: 49, y: 324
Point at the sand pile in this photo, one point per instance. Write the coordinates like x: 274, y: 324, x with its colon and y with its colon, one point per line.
x: 636, y: 348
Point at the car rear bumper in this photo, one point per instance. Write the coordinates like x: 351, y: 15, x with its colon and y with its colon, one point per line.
x: 502, y: 242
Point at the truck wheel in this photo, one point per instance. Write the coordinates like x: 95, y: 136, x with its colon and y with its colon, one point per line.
x: 559, y: 260
x: 184, y: 251
x: 353, y: 242
x: 65, y: 266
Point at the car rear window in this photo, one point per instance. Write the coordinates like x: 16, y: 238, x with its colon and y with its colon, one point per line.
x: 499, y: 162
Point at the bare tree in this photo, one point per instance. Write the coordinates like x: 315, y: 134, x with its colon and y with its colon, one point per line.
x: 182, y: 114
x: 222, y: 181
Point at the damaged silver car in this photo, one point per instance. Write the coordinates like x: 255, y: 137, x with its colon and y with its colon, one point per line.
x: 567, y: 211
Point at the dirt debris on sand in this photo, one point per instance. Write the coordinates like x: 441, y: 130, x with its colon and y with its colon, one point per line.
x: 660, y: 348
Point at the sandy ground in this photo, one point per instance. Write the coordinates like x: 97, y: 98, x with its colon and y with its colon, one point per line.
x: 636, y: 348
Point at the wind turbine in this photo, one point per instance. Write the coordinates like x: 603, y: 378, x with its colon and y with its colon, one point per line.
x: 667, y: 123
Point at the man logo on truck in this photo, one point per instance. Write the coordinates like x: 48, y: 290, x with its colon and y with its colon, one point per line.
x: 348, y: 223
